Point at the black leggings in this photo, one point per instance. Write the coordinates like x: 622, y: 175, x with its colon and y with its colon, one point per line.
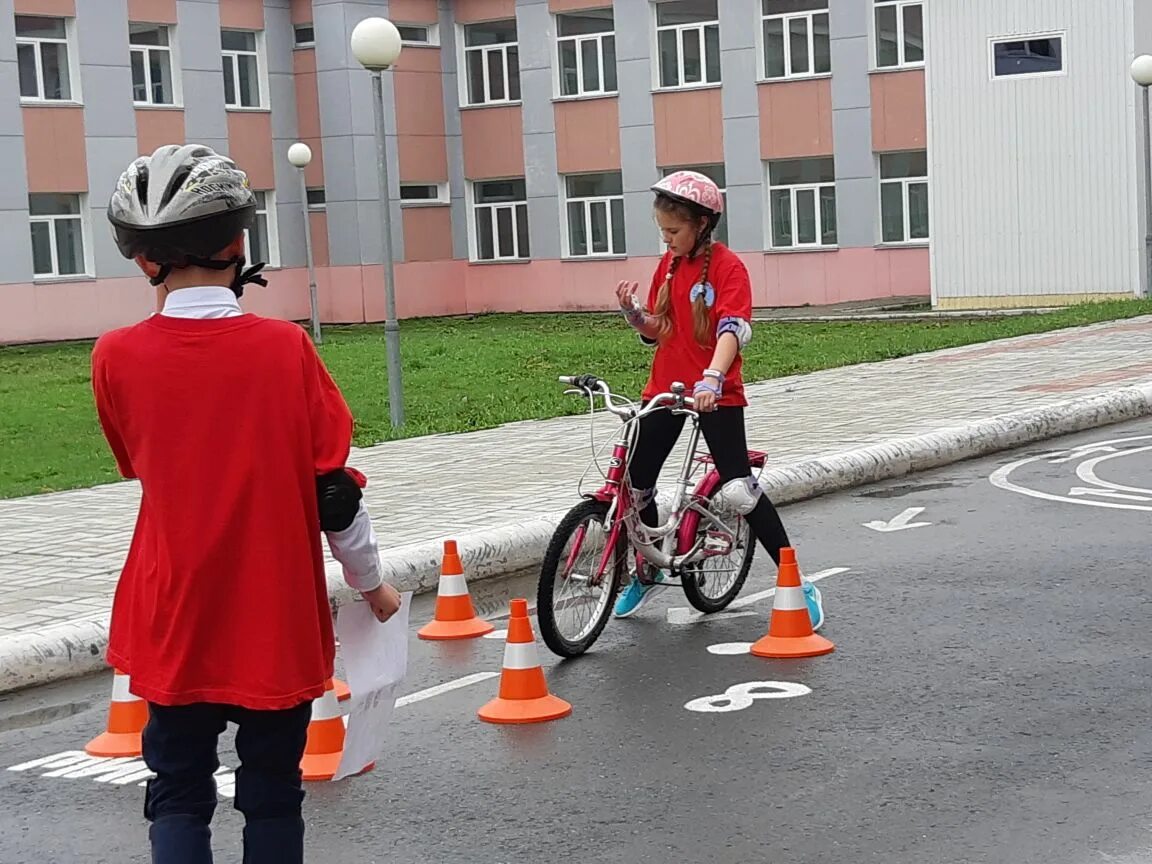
x: 723, y: 429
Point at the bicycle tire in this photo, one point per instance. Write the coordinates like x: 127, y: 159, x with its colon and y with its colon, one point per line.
x: 691, y: 587
x: 553, y: 561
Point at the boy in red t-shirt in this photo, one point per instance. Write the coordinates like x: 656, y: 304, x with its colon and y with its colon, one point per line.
x: 239, y: 438
x: 697, y: 317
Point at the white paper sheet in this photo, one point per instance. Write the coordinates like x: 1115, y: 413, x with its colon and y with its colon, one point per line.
x: 375, y: 664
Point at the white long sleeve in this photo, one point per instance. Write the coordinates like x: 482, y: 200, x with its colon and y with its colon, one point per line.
x: 356, y: 550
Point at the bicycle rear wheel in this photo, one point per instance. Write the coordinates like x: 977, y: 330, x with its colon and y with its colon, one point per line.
x: 712, y: 583
x: 573, y: 603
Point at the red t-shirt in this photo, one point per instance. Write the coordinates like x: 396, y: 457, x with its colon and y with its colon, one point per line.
x: 226, y: 422
x: 680, y: 357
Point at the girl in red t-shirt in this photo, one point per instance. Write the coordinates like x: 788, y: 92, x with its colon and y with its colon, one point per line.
x: 697, y: 316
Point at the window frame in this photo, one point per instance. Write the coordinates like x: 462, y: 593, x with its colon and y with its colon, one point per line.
x: 787, y: 17
x: 173, y: 66
x: 587, y: 201
x: 472, y: 208
x: 442, y: 194
x: 578, y: 40
x: 319, y: 207
x: 75, y: 96
x: 296, y: 43
x: 261, y: 70
x: 680, y: 29
x: 905, y: 201
x: 901, y: 42
x: 1060, y: 35
x: 433, y: 31
x: 502, y: 47
x: 271, y: 229
x: 793, y: 189
x: 85, y: 240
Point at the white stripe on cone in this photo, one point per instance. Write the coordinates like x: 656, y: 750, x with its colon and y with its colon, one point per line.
x: 326, y: 707
x: 453, y: 585
x: 521, y: 655
x: 790, y: 599
x: 120, y: 691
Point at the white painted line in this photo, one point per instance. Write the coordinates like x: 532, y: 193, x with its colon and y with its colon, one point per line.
x: 56, y: 760
x: 684, y: 615
x: 730, y: 649
x: 447, y: 687
x: 497, y: 634
x: 741, y: 696
x: 1086, y: 471
x: 899, y: 523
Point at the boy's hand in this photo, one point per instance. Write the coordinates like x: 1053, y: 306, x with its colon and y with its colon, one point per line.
x: 384, y: 600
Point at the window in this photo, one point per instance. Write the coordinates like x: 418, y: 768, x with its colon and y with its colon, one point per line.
x: 796, y: 38
x: 419, y: 34
x: 151, y: 64
x: 904, y: 196
x: 500, y: 220
x: 317, y: 199
x: 241, y: 69
x: 717, y: 175
x: 899, y: 33
x: 688, y: 39
x: 595, y: 215
x: 260, y: 241
x: 1037, y: 55
x: 802, y: 200
x: 586, y: 44
x: 57, y: 235
x: 305, y: 36
x: 492, y: 58
x: 423, y: 193
x: 42, y: 55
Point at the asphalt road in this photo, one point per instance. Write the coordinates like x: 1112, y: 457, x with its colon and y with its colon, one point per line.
x: 988, y: 701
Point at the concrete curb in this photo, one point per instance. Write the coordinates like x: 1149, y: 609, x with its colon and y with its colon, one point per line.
x: 72, y: 650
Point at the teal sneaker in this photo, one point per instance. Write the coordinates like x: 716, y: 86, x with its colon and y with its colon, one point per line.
x: 638, y: 592
x: 815, y: 603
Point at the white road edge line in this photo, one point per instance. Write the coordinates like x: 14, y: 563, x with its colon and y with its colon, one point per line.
x: 447, y: 687
x: 685, y: 615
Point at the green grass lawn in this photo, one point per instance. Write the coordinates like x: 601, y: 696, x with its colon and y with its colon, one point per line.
x: 460, y: 375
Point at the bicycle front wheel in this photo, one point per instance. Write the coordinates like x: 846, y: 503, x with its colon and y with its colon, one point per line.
x: 574, y: 597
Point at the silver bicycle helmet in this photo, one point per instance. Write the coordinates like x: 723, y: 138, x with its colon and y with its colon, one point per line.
x: 179, y: 207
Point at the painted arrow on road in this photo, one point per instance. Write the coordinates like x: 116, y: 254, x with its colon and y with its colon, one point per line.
x: 900, y: 523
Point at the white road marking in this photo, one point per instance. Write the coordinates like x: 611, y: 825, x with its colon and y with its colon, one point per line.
x: 684, y: 615
x: 446, y: 687
x: 899, y: 523
x: 1086, y: 471
x: 1082, y: 451
x: 741, y: 696
x: 1077, y: 491
x: 729, y: 649
x: 496, y: 634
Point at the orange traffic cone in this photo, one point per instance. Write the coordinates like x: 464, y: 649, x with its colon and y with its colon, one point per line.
x: 343, y: 691
x: 524, y: 696
x: 790, y: 631
x: 325, y: 745
x: 127, y: 717
x: 455, y: 618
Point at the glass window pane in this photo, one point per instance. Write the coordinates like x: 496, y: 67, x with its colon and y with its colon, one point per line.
x: 496, y: 82
x: 891, y: 212
x: 828, y: 214
x: 599, y: 214
x: 581, y: 23
x: 821, y: 46
x: 237, y: 40
x: 495, y: 191
x: 1029, y: 57
x: 594, y: 185
x: 306, y: 34
x: 418, y: 192
x: 147, y: 34
x: 781, y: 206
x: 805, y: 216
x: 914, y: 34
x: 712, y: 53
x: 918, y: 211
x: 484, y: 248
x: 54, y: 59
x: 139, y: 82
x: 490, y: 33
x: 414, y: 34
x: 522, y: 229
x: 42, y: 248
x: 590, y: 55
x: 504, y: 236
x: 887, y: 50
x: 249, y: 81
x: 686, y: 12
x: 50, y: 204
x: 37, y: 27
x: 798, y: 45
x: 258, y: 239
x: 790, y: 172
x: 784, y: 7
x: 774, y: 48
x: 690, y: 52
x: 577, y: 235
x: 609, y: 48
x: 318, y: 197
x: 569, y: 75
x: 619, y: 245
x: 476, y: 95
x: 26, y: 60
x: 898, y: 165
x: 721, y: 232
x: 513, y: 55
x: 669, y: 59
x: 230, y: 80
x: 161, y: 67
x: 69, y: 247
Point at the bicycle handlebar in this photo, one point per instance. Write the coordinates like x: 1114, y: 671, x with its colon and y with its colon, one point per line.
x: 592, y: 385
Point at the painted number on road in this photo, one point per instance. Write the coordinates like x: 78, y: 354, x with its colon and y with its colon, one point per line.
x: 741, y: 696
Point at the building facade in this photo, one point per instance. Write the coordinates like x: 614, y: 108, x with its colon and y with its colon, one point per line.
x: 998, y: 164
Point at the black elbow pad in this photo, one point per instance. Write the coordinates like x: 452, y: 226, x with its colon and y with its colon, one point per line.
x: 338, y: 495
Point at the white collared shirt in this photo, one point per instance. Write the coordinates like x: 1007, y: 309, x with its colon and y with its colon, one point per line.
x: 355, y: 547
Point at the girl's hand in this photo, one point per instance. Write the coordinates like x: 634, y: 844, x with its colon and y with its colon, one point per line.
x: 626, y: 294
x: 705, y: 393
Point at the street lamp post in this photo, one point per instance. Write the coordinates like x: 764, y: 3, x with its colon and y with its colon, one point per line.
x: 1142, y: 75
x: 376, y: 46
x: 300, y: 155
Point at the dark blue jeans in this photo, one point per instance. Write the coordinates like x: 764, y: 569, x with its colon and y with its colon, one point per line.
x: 180, y: 747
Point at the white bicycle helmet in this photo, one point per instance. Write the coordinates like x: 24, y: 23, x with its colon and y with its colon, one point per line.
x: 179, y: 207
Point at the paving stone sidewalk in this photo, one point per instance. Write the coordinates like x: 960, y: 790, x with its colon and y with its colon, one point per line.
x: 60, y: 553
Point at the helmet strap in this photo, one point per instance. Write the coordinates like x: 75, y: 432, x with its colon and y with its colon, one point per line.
x: 239, y: 280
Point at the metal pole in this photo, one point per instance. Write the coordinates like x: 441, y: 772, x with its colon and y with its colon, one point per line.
x: 391, y: 326
x: 1147, y: 196
x: 317, y: 336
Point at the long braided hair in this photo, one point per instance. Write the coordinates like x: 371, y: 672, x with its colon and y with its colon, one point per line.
x: 701, y: 315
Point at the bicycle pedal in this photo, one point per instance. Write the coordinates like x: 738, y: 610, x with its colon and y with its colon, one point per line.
x: 717, y: 543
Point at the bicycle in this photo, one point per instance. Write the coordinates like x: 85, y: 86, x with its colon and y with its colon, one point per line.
x: 588, y: 551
